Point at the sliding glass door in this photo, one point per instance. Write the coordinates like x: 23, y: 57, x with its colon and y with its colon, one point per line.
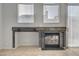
x: 73, y: 24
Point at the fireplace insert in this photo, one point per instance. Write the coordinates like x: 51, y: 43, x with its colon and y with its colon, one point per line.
x: 52, y: 40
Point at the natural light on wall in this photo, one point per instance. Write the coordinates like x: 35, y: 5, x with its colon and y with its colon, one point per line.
x: 51, y: 13
x: 25, y: 13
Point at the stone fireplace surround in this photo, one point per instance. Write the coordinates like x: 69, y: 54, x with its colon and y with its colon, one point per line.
x: 42, y: 30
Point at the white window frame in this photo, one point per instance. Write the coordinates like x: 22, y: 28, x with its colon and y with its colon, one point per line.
x: 27, y: 20
x: 53, y: 21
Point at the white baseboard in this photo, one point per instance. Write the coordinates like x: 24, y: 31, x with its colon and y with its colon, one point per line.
x: 29, y: 45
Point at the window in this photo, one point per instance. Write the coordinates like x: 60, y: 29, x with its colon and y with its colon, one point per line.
x: 73, y: 22
x: 25, y: 13
x: 51, y: 13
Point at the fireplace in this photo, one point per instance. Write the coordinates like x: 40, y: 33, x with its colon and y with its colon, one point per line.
x: 53, y: 40
x: 49, y: 37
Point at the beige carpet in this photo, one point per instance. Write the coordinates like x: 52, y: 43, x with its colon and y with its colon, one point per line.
x: 36, y: 51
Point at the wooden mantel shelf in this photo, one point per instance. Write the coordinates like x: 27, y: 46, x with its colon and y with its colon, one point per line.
x: 38, y: 29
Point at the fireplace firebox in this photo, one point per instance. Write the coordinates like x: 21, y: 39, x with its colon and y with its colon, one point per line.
x: 53, y: 40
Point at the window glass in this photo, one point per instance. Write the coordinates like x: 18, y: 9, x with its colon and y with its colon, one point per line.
x: 25, y: 13
x: 51, y: 13
x: 73, y: 18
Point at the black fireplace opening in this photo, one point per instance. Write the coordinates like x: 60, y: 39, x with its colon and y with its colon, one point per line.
x: 52, y: 40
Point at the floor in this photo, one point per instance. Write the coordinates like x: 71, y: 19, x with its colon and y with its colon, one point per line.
x: 36, y: 51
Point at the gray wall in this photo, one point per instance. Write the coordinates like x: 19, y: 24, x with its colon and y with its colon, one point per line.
x: 10, y: 20
x: 0, y: 25
x: 28, y: 39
